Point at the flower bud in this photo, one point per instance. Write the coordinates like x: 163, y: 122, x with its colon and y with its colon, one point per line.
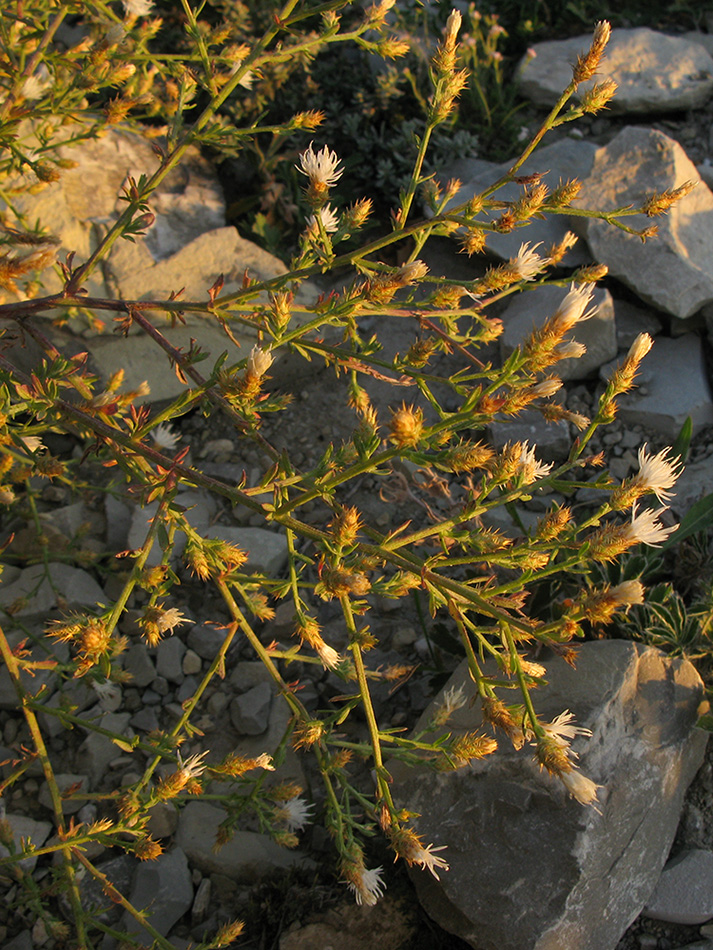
x: 406, y: 426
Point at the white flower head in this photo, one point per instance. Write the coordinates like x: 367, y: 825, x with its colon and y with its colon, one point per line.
x: 570, y: 350
x: 580, y: 787
x: 137, y: 7
x: 628, y: 592
x: 115, y: 34
x: 411, y: 273
x: 34, y: 86
x: 453, y: 25
x: 247, y: 80
x: 108, y: 693
x: 320, y: 167
x: 328, y: 655
x: 640, y: 347
x: 368, y: 887
x: 192, y: 766
x: 657, y: 473
x: 264, y: 761
x: 529, y: 467
x: 295, y: 813
x: 563, y: 730
x: 164, y: 436
x: 171, y: 618
x: 32, y: 443
x: 328, y: 218
x: 546, y: 388
x: 427, y: 858
x: 453, y: 698
x: 527, y: 265
x: 259, y: 361
x: 573, y: 308
x: 645, y: 527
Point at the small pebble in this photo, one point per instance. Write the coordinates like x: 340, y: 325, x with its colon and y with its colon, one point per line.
x: 192, y: 663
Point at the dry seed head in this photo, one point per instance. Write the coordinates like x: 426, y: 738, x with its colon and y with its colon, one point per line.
x: 471, y: 746
x: 393, y: 47
x: 530, y: 202
x: 552, y: 756
x: 306, y: 734
x: 591, y: 274
x: 660, y: 202
x: 599, y: 96
x: 345, y: 525
x: 505, y: 223
x: 587, y: 63
x: 308, y: 120
x: 420, y: 352
x: 553, y: 523
x: 406, y: 426
x: 558, y: 251
x: 94, y: 639
x: 280, y: 306
x: 356, y: 214
x: 228, y: 933
x: 467, y: 456
x: 147, y: 849
x: 565, y: 193
x: 473, y: 242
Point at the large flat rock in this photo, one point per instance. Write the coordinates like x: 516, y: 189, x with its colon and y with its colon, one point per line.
x: 673, y: 271
x: 654, y: 72
x: 530, y: 868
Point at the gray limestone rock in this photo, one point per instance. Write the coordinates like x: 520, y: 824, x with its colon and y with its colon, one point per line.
x: 120, y: 871
x: 674, y: 270
x: 694, y: 483
x: 266, y: 550
x: 563, y: 875
x: 631, y: 321
x: 118, y: 519
x: 200, y: 508
x: 146, y: 719
x: 671, y: 385
x: 29, y: 830
x: 163, y: 888
x: 138, y: 662
x: 246, y: 856
x: 97, y: 751
x: 206, y: 639
x: 65, y: 781
x: 23, y: 941
x: 654, y: 72
x: 163, y: 820
x: 559, y: 162
x: 8, y: 693
x: 250, y: 712
x: 684, y: 893
x: 530, y: 309
x: 551, y: 438
x: 192, y: 663
x: 77, y: 588
x: 169, y: 656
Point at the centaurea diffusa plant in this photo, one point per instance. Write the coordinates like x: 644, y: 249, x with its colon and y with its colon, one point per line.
x: 475, y: 575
